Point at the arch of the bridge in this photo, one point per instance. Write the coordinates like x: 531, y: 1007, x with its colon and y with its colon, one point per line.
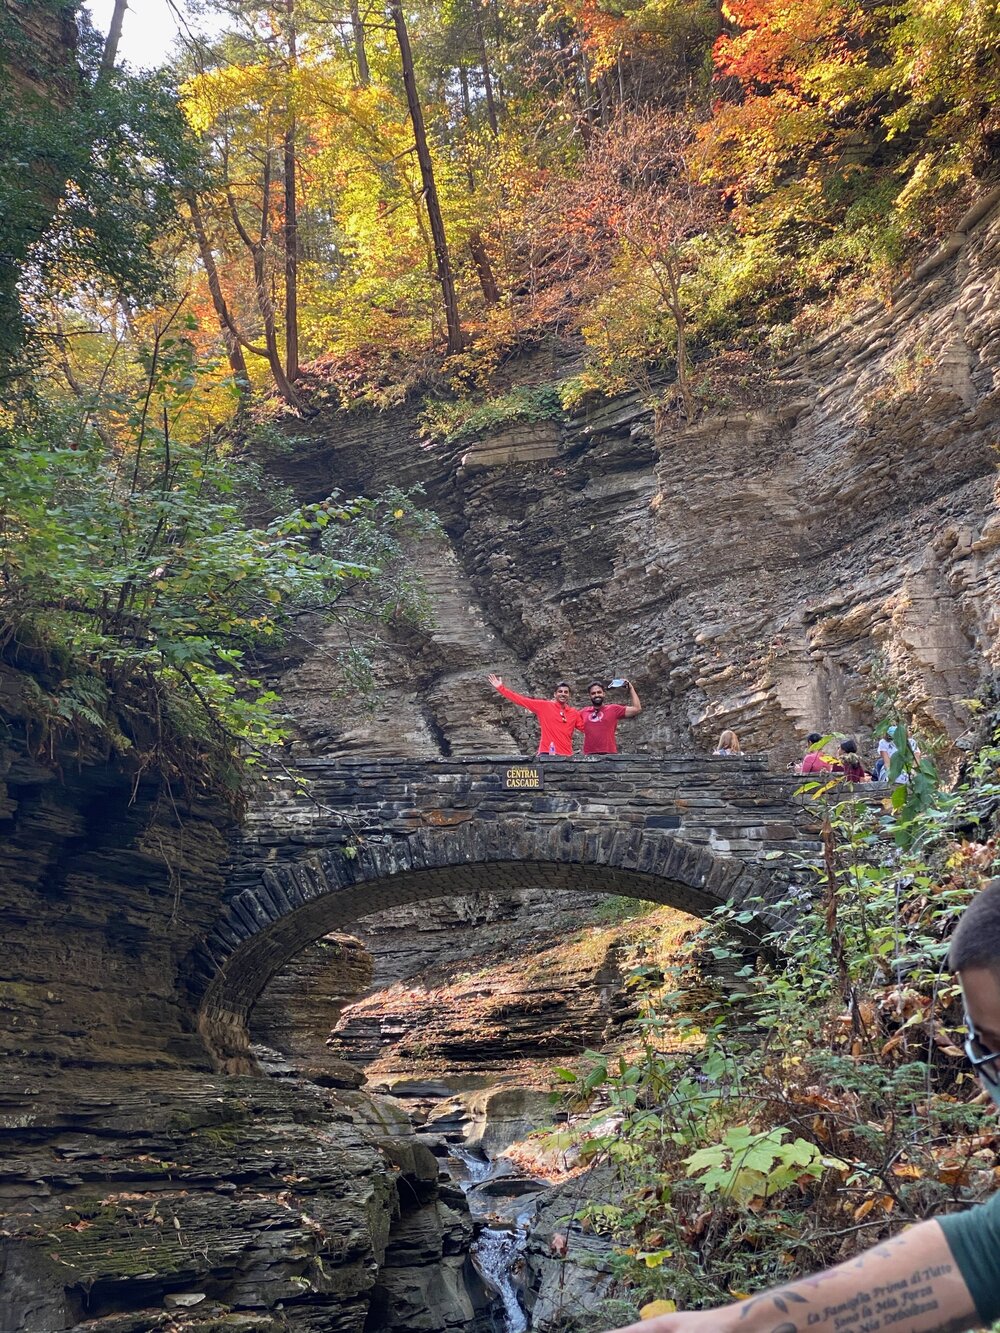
x: 298, y: 902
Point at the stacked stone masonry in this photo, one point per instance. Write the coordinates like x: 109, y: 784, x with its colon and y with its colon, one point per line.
x: 367, y: 837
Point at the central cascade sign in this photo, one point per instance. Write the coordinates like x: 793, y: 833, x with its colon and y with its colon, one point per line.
x: 523, y: 777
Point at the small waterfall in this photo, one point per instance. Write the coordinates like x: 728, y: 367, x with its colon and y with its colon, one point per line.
x: 477, y: 1166
x: 496, y: 1254
x: 497, y: 1251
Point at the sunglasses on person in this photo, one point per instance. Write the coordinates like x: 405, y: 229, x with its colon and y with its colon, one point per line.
x: 985, y: 1062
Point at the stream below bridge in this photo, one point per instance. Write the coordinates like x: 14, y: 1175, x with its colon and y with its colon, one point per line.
x: 498, y: 1250
x: 511, y: 1253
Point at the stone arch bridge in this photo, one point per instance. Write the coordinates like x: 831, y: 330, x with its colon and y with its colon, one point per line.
x: 366, y: 836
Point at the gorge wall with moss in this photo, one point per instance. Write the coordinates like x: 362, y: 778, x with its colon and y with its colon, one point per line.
x: 139, y: 1190
x: 770, y: 567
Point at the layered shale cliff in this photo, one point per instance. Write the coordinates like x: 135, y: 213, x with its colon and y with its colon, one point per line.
x: 40, y: 47
x: 762, y: 568
x: 138, y: 1189
x: 774, y: 567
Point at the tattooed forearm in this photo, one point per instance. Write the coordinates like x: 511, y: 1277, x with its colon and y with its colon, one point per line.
x: 910, y: 1284
x: 896, y: 1305
x: 780, y: 1299
x: 950, y: 1326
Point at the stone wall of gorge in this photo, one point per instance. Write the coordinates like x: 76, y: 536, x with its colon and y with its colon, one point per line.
x: 182, y: 1202
x: 771, y: 567
x: 138, y: 1190
x: 106, y: 877
x: 506, y: 1015
x: 39, y: 48
x: 765, y: 567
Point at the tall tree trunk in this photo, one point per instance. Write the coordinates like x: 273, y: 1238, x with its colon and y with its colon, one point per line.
x: 491, y: 106
x: 291, y: 229
x: 463, y: 83
x: 571, y: 78
x: 680, y: 323
x: 110, y: 53
x: 230, y: 336
x: 590, y: 93
x: 607, y: 99
x: 484, y: 269
x: 477, y: 246
x: 265, y: 305
x: 456, y: 339
x: 360, y: 53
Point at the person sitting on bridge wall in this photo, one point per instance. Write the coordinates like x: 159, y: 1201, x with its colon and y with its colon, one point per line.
x: 729, y: 743
x: 848, y: 762
x: 944, y: 1275
x: 556, y: 717
x: 814, y: 760
x: 600, y: 720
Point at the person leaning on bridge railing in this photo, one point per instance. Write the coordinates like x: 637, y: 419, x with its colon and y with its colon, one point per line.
x: 729, y: 743
x: 600, y: 720
x: 937, y: 1277
x: 556, y: 716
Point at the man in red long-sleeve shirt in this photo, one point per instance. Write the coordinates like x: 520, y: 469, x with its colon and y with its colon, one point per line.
x: 557, y: 718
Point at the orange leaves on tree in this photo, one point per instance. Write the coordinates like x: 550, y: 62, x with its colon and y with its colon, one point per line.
x: 805, y: 80
x: 780, y: 44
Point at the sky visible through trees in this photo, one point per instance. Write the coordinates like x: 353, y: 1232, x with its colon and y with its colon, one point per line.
x: 150, y: 28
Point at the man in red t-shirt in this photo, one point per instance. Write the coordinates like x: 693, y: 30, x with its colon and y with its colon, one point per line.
x: 600, y: 720
x: 557, y: 718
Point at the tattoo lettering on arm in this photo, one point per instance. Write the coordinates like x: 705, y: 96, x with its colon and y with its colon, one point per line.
x: 900, y: 1302
x: 949, y: 1326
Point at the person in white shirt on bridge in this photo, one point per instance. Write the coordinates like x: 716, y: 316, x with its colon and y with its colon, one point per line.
x: 887, y: 747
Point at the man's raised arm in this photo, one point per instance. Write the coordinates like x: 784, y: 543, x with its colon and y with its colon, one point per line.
x: 633, y: 708
x: 910, y: 1284
x: 522, y: 699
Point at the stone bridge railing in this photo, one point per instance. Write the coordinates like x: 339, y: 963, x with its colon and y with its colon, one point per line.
x: 366, y: 836
x: 732, y: 806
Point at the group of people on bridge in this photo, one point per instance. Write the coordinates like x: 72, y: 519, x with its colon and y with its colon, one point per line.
x: 560, y: 721
x: 848, y: 763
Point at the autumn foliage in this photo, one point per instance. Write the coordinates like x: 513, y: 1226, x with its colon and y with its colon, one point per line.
x: 663, y: 181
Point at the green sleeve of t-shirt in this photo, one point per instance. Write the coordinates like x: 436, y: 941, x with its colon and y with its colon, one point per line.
x: 974, y: 1240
